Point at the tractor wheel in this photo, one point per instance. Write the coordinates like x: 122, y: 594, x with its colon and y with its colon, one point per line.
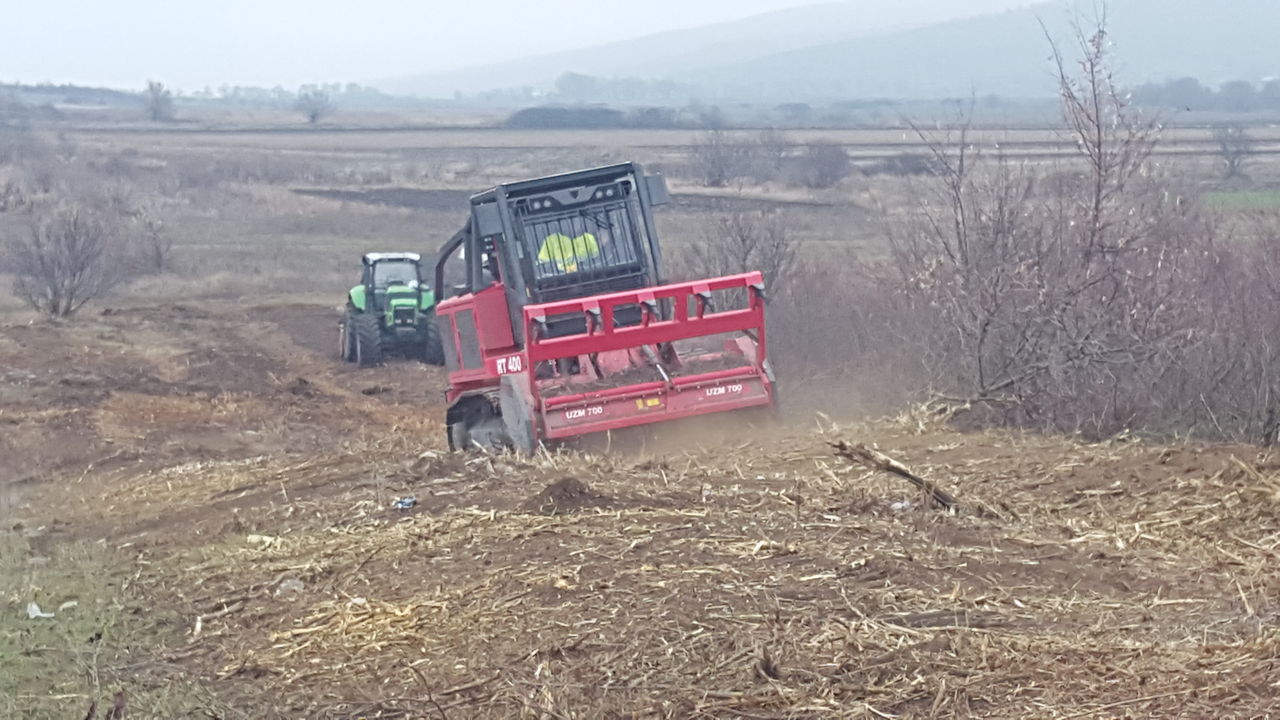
x: 368, y: 339
x: 347, y: 338
x: 432, y: 348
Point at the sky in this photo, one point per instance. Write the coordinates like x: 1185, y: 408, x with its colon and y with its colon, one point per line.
x: 194, y: 44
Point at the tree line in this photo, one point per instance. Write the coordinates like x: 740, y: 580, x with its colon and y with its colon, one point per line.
x: 1189, y: 94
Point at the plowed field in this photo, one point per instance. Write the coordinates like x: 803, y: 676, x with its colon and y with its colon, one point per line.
x: 203, y: 500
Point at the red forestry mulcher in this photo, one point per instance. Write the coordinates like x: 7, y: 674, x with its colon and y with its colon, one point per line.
x: 556, y: 320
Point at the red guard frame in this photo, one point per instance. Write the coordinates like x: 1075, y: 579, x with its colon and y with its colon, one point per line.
x: 650, y: 402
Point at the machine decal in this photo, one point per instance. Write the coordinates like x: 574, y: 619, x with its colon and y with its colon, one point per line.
x: 584, y: 413
x: 510, y: 365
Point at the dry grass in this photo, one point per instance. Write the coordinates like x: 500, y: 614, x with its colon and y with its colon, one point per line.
x: 250, y: 513
x: 763, y: 580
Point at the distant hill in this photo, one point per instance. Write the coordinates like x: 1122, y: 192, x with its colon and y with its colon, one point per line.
x: 1007, y: 53
x: 870, y: 48
x: 672, y: 54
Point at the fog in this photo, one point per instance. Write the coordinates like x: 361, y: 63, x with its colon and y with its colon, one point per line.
x: 290, y: 42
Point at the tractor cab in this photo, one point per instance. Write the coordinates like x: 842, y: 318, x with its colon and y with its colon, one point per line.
x: 555, y: 286
x: 391, y: 274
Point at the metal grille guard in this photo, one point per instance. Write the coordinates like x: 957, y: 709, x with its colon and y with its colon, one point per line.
x: 685, y: 396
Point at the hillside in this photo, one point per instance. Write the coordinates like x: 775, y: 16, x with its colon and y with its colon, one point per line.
x: 915, y: 50
x: 1007, y: 54
x: 671, y: 54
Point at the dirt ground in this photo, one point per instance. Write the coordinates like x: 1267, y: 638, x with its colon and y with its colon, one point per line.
x: 203, y: 497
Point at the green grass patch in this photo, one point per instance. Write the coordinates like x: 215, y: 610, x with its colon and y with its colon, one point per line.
x: 101, y: 639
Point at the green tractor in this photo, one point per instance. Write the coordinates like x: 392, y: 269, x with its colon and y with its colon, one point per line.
x: 391, y: 310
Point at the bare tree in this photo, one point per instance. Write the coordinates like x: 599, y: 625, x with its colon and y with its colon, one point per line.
x: 1059, y: 299
x: 67, y: 259
x: 743, y: 242
x: 770, y: 154
x: 823, y: 165
x: 1234, y: 147
x: 159, y: 101
x: 1114, y: 143
x: 718, y: 160
x: 314, y: 104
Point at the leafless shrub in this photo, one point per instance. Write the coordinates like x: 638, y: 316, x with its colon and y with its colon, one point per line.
x: 1235, y: 148
x: 717, y: 159
x: 742, y: 242
x: 769, y: 155
x: 118, y: 196
x: 314, y: 104
x: 823, y: 165
x: 71, y: 255
x: 1233, y: 376
x: 154, y: 244
x: 1097, y: 297
x: 159, y: 101
x: 838, y: 325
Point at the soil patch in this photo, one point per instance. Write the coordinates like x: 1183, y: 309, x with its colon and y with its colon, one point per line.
x: 565, y: 495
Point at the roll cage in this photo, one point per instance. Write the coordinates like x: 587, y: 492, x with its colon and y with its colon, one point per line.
x: 558, y: 238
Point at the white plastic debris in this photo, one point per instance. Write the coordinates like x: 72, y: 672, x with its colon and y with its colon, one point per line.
x: 900, y: 506
x: 290, y: 585
x: 262, y: 540
x: 34, y: 612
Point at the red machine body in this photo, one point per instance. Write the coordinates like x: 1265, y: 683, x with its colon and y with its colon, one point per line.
x: 562, y: 324
x: 562, y: 406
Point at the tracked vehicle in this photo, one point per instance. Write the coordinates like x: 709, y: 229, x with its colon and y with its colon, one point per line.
x: 558, y: 321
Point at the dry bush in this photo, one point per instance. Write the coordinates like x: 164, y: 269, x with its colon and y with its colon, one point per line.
x: 159, y: 101
x: 1235, y: 148
x: 742, y: 242
x: 834, y: 338
x: 823, y: 165
x: 314, y: 104
x: 1095, y: 296
x: 717, y: 159
x: 1057, y: 301
x: 154, y: 244
x: 1230, y: 381
x: 769, y: 156
x: 72, y: 254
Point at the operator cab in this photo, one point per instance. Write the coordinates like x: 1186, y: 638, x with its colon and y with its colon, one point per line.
x: 383, y: 271
x: 558, y: 238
